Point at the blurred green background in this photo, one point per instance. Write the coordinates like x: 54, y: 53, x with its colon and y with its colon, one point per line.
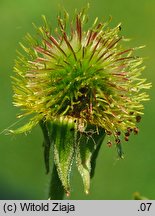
x: 22, y: 171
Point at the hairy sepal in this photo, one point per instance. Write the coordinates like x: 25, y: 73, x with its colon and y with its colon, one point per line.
x: 88, y: 145
x: 64, y: 149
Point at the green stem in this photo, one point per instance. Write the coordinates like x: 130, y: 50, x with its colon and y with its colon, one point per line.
x: 56, y: 191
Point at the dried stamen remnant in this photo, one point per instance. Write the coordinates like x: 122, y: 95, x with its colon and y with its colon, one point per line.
x: 127, y: 134
x: 138, y: 118
x: 129, y: 130
x: 118, y: 133
x: 126, y: 138
x: 118, y: 141
x: 109, y: 143
x: 136, y: 130
x: 108, y: 132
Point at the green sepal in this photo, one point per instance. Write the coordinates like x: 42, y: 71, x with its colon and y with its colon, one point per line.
x: 56, y: 190
x: 63, y: 136
x: 88, y: 145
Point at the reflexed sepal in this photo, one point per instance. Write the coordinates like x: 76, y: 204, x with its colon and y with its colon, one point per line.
x: 88, y: 145
x: 64, y: 149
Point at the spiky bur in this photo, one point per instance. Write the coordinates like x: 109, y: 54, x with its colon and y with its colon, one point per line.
x: 80, y: 84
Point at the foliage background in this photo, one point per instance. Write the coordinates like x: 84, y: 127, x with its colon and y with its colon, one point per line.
x: 22, y: 172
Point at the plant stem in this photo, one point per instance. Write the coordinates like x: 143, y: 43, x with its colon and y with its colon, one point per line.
x: 56, y: 191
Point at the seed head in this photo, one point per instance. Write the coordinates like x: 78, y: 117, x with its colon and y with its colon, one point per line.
x: 86, y: 75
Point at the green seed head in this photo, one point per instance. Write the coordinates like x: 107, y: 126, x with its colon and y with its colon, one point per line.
x: 84, y: 75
